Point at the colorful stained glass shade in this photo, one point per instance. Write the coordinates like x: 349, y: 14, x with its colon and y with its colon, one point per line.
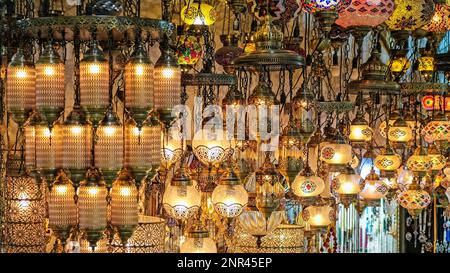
x: 440, y: 22
x: 410, y: 14
x: 313, y: 6
x: 368, y: 13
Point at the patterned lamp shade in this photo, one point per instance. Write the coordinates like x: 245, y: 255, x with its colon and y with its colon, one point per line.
x: 171, y: 150
x: 400, y: 132
x: 92, y: 206
x: 211, y: 146
x: 142, y: 149
x: 229, y: 197
x: 30, y: 147
x: 148, y: 237
x: 410, y: 14
x: 400, y: 63
x: 24, y: 219
x: 438, y: 130
x: 419, y: 162
x: 230, y: 51
x: 414, y: 199
x: 365, y: 13
x: 318, y: 217
x: 440, y: 22
x: 124, y: 206
x: 312, y: 6
x: 62, y: 210
x: 256, y: 224
x: 48, y: 150
x: 360, y: 131
x: 50, y: 86
x: 307, y: 184
x: 189, y: 50
x: 94, y: 83
x: 77, y: 138
x: 20, y: 87
x: 374, y: 189
x: 388, y: 161
x: 139, y: 84
x: 197, y: 13
x: 109, y: 147
x: 347, y: 186
x: 438, y: 161
x: 198, y: 240
x: 336, y: 154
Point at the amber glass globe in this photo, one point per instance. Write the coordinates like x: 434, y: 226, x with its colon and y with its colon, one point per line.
x: 229, y: 197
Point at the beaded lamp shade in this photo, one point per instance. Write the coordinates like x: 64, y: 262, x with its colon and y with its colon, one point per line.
x: 48, y: 150
x: 410, y: 14
x: 92, y: 205
x: 284, y: 239
x: 24, y: 220
x: 139, y: 84
x: 440, y: 22
x: 50, y: 86
x: 189, y: 50
x: 94, y: 83
x: 365, y: 13
x: 62, y: 210
x: 148, y: 237
x: 142, y: 149
x: 20, y: 87
x: 414, y: 200
x: 312, y: 6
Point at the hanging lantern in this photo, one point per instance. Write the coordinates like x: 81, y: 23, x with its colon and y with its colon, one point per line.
x: 189, y: 50
x: 360, y: 131
x: 229, y: 197
x: 197, y: 13
x: 336, y: 154
x: 62, y: 210
x: 326, y: 11
x: 198, y: 241
x: 307, y: 186
x: 230, y: 51
x: 400, y: 63
x: 138, y: 76
x: 50, y: 85
x: 290, y: 162
x: 94, y: 83
x: 392, y: 118
x: 374, y: 189
x: 20, y: 87
x: 365, y: 13
x: 388, y: 162
x: 405, y: 178
x: 347, y: 186
x: 30, y: 143
x: 167, y: 84
x: 77, y: 145
x: 437, y: 131
x: 410, y: 14
x: 439, y: 22
x: 419, y: 162
x: 171, y: 150
x: 400, y: 133
x: 318, y: 217
x: 256, y: 223
x: 426, y: 65
x: 124, y: 206
x: 48, y: 150
x: 142, y: 149
x: 211, y: 147
x: 181, y: 198
x: 92, y: 206
x: 414, y: 199
x: 269, y: 188
x: 438, y: 161
x: 303, y: 102
x: 109, y: 147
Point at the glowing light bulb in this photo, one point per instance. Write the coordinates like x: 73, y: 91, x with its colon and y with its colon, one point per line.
x: 94, y: 69
x: 109, y: 130
x: 92, y: 191
x: 139, y: 70
x: 168, y: 73
x: 49, y: 71
x: 61, y: 189
x: 136, y: 131
x: 47, y: 133
x: 21, y: 74
x: 125, y: 191
x: 76, y: 130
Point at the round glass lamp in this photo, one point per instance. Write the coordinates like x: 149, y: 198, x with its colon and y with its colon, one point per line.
x: 347, y: 186
x: 211, y: 147
x: 437, y: 130
x: 198, y: 241
x: 414, y: 199
x: 229, y: 197
x: 400, y: 133
x: 360, y: 131
x: 438, y: 161
x: 374, y: 189
x: 198, y: 13
x: 318, y: 217
x: 337, y: 154
x: 388, y: 162
x: 419, y: 162
x: 307, y: 186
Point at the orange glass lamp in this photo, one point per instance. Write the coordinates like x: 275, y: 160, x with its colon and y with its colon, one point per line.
x: 124, y: 205
x: 92, y: 205
x: 400, y: 64
x: 438, y: 161
x: 336, y: 154
x: 307, y: 186
x: 318, y: 217
x: 414, y: 199
x: 419, y: 162
x: 109, y: 147
x: 198, y: 240
x: 48, y: 151
x: 437, y: 131
x: 229, y: 197
x: 383, y: 126
x: 62, y: 210
x: 400, y: 133
x: 388, y: 162
x: 196, y: 12
x: 50, y: 85
x: 94, y: 83
x: 139, y: 84
x: 76, y: 144
x: 374, y: 189
x: 347, y: 186
x: 20, y: 87
x: 426, y: 66
x: 181, y: 199
x: 142, y: 149
x: 360, y: 131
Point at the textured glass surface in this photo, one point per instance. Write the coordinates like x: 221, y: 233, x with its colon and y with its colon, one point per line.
x: 48, y: 147
x: 92, y: 207
x: 167, y: 87
x: 62, y: 210
x: 49, y: 86
x: 109, y: 147
x: 20, y: 87
x: 142, y: 147
x: 139, y: 85
x: 30, y: 147
x: 124, y: 206
x: 94, y: 84
x: 76, y: 146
